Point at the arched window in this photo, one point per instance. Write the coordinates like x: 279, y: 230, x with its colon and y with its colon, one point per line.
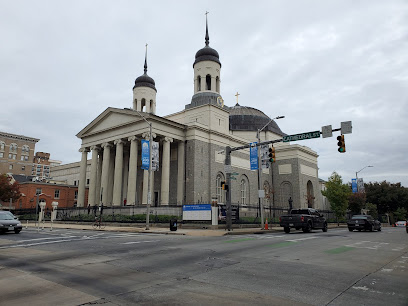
x: 2, y: 146
x: 286, y: 193
x: 217, y: 84
x: 25, y: 150
x: 208, y: 82
x: 143, y: 106
x: 219, y: 192
x: 244, y: 190
x: 13, y: 148
x: 199, y: 83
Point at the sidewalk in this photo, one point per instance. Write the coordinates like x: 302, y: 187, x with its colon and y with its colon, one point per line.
x: 47, y: 226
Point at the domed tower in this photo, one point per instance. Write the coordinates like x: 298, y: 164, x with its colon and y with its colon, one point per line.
x: 207, y: 68
x: 144, y: 92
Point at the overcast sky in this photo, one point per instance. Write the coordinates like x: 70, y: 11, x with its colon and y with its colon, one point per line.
x: 318, y: 63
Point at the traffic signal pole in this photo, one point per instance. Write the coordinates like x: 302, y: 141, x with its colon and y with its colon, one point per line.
x: 228, y: 170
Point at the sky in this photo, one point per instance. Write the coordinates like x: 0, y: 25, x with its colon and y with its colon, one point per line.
x: 315, y: 62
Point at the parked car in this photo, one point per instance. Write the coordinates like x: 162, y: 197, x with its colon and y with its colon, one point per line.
x: 9, y: 223
x: 401, y: 224
x: 363, y: 222
x: 406, y: 226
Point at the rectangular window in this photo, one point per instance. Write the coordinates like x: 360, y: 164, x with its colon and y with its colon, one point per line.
x: 38, y: 191
x: 14, y: 156
x: 22, y: 168
x: 26, y: 158
x: 74, y: 183
x: 22, y: 157
x: 76, y: 194
x: 10, y: 155
x: 10, y: 167
x: 1, y: 154
x: 87, y: 181
x: 56, y: 194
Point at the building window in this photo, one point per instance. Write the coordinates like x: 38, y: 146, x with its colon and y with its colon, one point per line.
x: 13, y: 148
x: 1, y: 154
x: 26, y: 158
x: 25, y: 149
x: 10, y: 167
x: 22, y: 168
x: 75, y: 183
x: 76, y: 194
x: 243, y: 192
x: 56, y: 194
x: 22, y: 158
x: 208, y: 82
x: 38, y: 191
x: 2, y: 146
x: 87, y: 181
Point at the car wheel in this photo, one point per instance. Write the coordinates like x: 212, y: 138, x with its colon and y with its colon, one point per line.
x: 350, y: 229
x: 307, y: 228
x: 17, y: 231
x: 370, y: 228
x: 324, y: 227
x: 286, y: 229
x: 379, y: 229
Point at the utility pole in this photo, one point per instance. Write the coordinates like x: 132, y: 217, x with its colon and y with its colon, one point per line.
x: 228, y: 183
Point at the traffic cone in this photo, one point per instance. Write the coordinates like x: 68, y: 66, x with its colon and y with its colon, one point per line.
x: 266, y: 225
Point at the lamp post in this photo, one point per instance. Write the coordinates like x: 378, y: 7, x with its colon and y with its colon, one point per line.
x: 360, y: 171
x: 149, y: 197
x: 258, y: 134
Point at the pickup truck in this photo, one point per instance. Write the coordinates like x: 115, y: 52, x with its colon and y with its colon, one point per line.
x: 305, y: 219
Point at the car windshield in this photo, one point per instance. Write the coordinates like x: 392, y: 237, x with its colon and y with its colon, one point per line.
x: 6, y: 217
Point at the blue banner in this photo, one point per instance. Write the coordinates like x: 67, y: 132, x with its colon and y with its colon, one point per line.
x: 145, y: 154
x: 253, y: 156
x: 354, y: 185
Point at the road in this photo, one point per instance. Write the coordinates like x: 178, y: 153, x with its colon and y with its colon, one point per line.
x: 84, y: 267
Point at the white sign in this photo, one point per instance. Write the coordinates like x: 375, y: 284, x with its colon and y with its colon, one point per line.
x: 346, y: 127
x: 327, y: 131
x: 227, y: 168
x: 261, y: 193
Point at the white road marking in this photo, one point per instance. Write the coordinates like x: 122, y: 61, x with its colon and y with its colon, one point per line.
x: 34, y: 239
x: 301, y: 239
x: 133, y: 242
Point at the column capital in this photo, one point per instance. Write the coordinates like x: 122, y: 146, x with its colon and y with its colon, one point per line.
x: 146, y: 135
x: 118, y: 141
x: 82, y: 150
x: 169, y: 139
x: 106, y: 145
x: 132, y: 138
x: 96, y: 148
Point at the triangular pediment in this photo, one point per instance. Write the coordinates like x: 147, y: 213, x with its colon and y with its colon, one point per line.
x: 111, y: 118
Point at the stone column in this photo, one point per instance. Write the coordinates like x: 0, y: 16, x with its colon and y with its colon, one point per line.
x: 139, y: 105
x: 98, y: 179
x: 92, y: 196
x: 147, y: 104
x: 117, y: 183
x: 180, y: 172
x: 213, y: 87
x: 131, y: 193
x: 165, y: 179
x: 82, y: 177
x: 105, y: 172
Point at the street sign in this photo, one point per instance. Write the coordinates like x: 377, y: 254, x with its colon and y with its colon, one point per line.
x: 227, y: 168
x: 233, y: 178
x: 327, y: 131
x: 234, y: 173
x: 302, y: 136
x: 346, y: 127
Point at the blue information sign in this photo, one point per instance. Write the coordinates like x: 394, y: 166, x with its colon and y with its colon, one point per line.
x: 145, y: 154
x: 253, y: 156
x: 354, y: 185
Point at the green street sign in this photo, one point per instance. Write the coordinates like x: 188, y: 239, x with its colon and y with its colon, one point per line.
x: 233, y: 178
x: 234, y: 173
x: 302, y: 136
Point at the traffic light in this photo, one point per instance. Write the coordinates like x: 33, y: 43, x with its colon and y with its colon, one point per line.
x: 224, y: 186
x: 271, y: 155
x: 341, y: 143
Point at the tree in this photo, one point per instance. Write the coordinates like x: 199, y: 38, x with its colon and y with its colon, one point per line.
x: 372, y: 210
x: 337, y: 193
x: 400, y: 214
x: 8, y: 190
x: 387, y: 196
x: 356, y: 202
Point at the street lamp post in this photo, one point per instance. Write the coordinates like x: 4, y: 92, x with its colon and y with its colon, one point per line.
x: 360, y: 171
x: 149, y: 196
x: 260, y: 203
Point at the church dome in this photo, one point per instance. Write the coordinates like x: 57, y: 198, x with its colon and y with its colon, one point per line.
x: 245, y: 118
x: 207, y: 54
x: 145, y: 81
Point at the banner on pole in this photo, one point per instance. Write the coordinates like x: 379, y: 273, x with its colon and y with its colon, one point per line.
x: 155, y: 156
x: 145, y: 154
x: 253, y: 156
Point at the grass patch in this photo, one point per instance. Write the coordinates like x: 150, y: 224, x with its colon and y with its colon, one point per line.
x: 281, y: 244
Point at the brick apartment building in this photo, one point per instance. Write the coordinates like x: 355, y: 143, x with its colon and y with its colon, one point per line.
x: 16, y: 153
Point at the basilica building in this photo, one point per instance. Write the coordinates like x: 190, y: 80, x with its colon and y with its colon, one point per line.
x: 191, y: 150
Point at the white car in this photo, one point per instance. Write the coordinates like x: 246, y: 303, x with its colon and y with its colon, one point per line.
x: 401, y: 224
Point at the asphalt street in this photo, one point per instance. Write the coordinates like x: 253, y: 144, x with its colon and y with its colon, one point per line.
x: 86, y: 267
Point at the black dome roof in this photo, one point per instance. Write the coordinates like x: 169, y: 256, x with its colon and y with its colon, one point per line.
x: 244, y: 118
x: 207, y: 54
x: 145, y: 81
